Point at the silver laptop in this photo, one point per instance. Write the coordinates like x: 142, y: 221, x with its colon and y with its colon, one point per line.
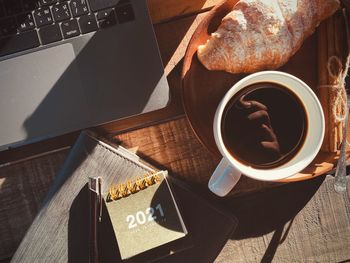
x: 69, y: 65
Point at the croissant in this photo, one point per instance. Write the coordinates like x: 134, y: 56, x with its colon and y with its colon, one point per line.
x: 262, y: 34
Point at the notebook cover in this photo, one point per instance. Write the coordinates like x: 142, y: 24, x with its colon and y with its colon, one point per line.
x: 60, y: 231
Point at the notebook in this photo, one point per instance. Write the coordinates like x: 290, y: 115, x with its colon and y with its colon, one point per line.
x: 60, y: 231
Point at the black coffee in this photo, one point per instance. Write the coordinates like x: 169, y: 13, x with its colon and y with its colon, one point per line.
x: 264, y: 125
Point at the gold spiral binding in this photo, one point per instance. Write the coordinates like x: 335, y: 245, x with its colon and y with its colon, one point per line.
x: 117, y: 191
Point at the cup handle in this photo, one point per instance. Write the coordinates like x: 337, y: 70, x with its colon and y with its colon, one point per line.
x: 224, y: 178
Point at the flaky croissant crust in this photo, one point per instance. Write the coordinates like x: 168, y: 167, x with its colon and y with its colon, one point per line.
x: 262, y: 34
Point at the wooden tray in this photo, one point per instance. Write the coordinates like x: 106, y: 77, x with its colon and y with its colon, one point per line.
x: 203, y: 89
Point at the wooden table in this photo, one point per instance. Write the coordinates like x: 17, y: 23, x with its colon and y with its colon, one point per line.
x: 305, y: 221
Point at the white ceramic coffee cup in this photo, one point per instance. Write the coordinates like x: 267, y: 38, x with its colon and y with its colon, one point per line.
x: 229, y: 170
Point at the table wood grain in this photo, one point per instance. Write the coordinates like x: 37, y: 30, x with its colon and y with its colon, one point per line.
x: 297, y: 222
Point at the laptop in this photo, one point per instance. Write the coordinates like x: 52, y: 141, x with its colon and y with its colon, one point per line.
x: 70, y: 65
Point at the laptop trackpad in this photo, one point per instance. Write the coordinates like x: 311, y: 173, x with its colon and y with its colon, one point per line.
x: 41, y: 95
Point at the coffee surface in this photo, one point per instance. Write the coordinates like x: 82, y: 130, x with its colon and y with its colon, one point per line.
x: 264, y: 125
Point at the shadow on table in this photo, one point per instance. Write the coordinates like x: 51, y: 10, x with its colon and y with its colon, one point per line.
x: 270, y: 211
x: 264, y: 212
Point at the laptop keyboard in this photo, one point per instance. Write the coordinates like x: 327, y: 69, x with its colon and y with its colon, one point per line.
x: 26, y: 24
